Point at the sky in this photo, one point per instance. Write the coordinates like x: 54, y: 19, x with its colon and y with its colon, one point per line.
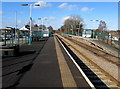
x: 57, y: 12
x: 62, y: 0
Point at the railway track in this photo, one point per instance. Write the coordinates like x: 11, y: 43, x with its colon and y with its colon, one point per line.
x: 96, y: 75
x: 101, y: 53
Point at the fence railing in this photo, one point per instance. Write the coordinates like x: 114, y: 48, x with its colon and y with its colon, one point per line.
x: 10, y: 38
x: 107, y: 37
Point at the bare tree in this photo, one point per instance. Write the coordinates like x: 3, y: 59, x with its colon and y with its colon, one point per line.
x: 102, y: 26
x: 74, y: 24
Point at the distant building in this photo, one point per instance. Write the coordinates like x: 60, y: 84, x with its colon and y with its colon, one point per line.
x: 24, y: 29
x: 8, y: 31
x: 115, y: 35
x: 51, y: 29
x: 38, y: 31
x: 46, y: 32
x: 41, y: 32
x: 87, y: 33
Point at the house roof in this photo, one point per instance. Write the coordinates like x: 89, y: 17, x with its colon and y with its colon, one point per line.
x: 7, y: 28
x: 24, y: 29
x: 115, y: 33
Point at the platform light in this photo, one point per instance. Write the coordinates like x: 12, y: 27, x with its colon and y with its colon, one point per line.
x: 31, y: 5
x: 24, y: 4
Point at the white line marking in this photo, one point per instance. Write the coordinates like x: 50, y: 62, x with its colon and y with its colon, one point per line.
x: 83, y: 74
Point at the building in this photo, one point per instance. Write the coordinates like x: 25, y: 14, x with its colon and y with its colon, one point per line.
x: 7, y: 33
x: 87, y: 33
x: 40, y: 32
x: 115, y: 35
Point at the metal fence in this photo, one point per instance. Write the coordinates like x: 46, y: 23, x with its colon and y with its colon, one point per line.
x: 112, y: 39
x: 109, y: 38
x: 10, y: 37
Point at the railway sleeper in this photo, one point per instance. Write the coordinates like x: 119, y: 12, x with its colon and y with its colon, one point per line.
x: 97, y: 82
x: 93, y: 77
x: 102, y: 87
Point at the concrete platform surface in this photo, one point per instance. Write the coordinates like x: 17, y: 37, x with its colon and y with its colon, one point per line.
x: 14, y: 67
x: 110, y: 49
x: 53, y: 68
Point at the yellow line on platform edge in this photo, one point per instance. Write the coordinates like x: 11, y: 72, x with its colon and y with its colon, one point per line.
x: 66, y: 75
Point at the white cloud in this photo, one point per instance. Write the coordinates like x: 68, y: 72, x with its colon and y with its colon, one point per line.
x: 85, y: 9
x: 44, y: 18
x: 42, y: 4
x: 63, y: 5
x: 52, y: 18
x: 67, y: 6
x: 65, y: 18
x: 48, y: 18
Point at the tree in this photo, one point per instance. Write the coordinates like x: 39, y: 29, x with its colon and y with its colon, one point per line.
x: 51, y: 29
x: 74, y: 24
x: 27, y: 26
x: 102, y: 26
x: 35, y: 25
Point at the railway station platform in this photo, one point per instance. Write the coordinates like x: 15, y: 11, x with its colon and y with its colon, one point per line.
x: 53, y: 68
x: 14, y: 67
x: 49, y: 63
x: 107, y: 47
x: 110, y: 49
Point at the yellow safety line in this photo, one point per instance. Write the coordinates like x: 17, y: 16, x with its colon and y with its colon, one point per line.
x: 6, y: 49
x: 67, y: 78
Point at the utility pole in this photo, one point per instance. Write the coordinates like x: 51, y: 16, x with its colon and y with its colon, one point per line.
x: 31, y: 5
x: 30, y: 38
x: 15, y: 26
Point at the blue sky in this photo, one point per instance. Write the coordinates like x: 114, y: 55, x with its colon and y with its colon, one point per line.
x: 57, y: 12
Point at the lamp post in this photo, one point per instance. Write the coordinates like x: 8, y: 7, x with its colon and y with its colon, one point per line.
x: 15, y: 34
x: 72, y: 29
x: 79, y: 29
x: 60, y: 29
x: 45, y: 19
x: 92, y: 36
x: 94, y: 20
x: 31, y: 5
x: 42, y: 26
x: 42, y: 22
